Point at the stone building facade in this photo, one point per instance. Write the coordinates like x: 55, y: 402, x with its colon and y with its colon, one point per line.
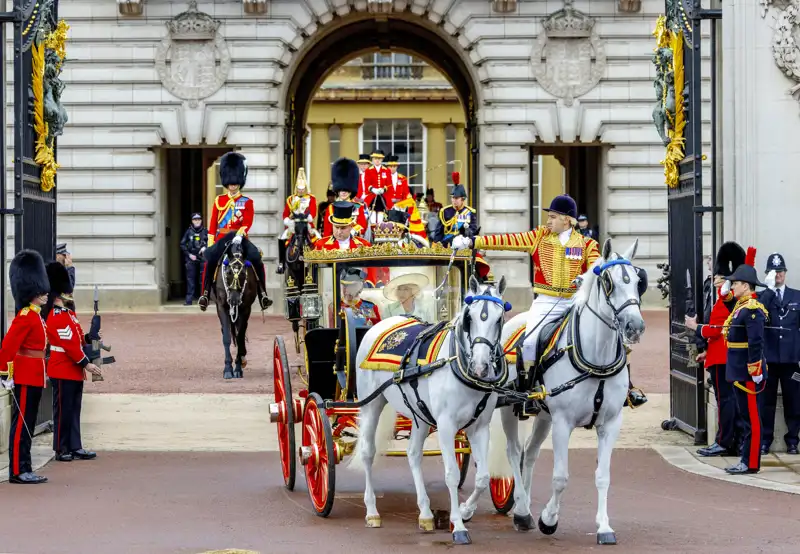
x: 147, y: 75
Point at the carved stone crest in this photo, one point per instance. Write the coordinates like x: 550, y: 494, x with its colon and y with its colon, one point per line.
x: 568, y: 58
x: 785, y: 47
x: 193, y: 60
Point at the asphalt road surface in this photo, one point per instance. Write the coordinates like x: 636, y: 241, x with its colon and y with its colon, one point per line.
x: 195, y: 502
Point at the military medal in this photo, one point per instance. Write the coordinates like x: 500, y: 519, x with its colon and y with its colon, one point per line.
x: 573, y: 253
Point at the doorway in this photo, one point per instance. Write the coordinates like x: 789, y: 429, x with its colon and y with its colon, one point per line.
x: 190, y: 186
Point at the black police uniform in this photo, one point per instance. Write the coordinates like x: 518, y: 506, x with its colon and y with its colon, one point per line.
x: 744, y: 334
x: 781, y: 343
x: 193, y: 241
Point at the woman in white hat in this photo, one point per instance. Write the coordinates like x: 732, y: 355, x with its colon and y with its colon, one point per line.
x: 404, y: 291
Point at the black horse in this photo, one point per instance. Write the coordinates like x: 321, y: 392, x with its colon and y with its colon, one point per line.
x: 294, y: 250
x: 235, y: 289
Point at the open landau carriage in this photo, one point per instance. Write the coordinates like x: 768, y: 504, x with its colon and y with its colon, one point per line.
x: 331, y: 342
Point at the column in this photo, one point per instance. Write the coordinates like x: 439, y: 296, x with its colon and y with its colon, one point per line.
x: 435, y: 165
x: 349, y: 141
x: 320, y: 160
x: 462, y: 154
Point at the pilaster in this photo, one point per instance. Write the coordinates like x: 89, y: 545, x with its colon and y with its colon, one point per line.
x: 320, y: 160
x: 349, y: 140
x: 436, y: 157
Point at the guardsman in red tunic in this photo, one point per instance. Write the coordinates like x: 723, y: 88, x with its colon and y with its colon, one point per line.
x: 231, y: 220
x: 344, y: 182
x: 22, y: 361
x: 363, y: 165
x: 378, y: 181
x: 402, y: 199
x: 66, y: 367
x: 301, y: 203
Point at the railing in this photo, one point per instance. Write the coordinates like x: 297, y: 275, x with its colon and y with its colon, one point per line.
x: 392, y: 71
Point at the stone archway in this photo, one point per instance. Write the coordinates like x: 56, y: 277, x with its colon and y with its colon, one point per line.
x: 346, y: 37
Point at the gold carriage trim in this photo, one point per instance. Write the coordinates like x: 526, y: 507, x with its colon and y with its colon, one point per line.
x: 385, y: 250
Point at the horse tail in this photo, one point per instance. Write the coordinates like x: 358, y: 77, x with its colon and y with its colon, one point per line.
x: 498, y: 457
x: 383, y: 437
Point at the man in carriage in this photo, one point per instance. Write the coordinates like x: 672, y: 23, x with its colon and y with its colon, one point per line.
x: 301, y: 203
x: 351, y: 280
x: 231, y: 220
x: 344, y: 182
x: 560, y: 255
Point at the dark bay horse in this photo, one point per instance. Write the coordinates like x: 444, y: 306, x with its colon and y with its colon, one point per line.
x: 235, y: 291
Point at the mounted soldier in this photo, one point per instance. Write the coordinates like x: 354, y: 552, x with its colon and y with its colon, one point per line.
x: 344, y: 182
x: 300, y: 207
x: 231, y: 220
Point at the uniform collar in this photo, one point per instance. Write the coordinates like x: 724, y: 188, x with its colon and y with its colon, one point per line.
x: 35, y: 308
x: 234, y: 196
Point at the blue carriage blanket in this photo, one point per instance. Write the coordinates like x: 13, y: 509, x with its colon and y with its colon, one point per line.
x: 388, y: 351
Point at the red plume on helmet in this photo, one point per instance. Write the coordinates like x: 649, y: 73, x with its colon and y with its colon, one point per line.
x: 750, y: 258
x: 456, y: 178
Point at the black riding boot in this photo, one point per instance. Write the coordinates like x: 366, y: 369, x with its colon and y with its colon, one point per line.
x: 636, y: 396
x: 208, y: 276
x: 263, y: 299
x: 281, y: 257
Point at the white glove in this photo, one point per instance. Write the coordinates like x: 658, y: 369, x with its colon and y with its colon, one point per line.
x: 8, y: 384
x: 758, y: 378
x: 288, y: 222
x: 237, y: 239
x: 461, y: 242
x: 726, y: 288
x: 310, y: 219
x: 577, y: 281
x: 378, y: 191
x: 770, y: 280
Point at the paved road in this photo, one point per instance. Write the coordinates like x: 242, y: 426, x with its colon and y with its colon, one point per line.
x: 194, y: 502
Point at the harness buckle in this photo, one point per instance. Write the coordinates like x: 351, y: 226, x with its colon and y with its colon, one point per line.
x: 398, y: 376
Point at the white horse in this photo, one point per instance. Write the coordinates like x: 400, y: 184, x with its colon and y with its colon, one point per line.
x: 447, y: 402
x: 606, y: 311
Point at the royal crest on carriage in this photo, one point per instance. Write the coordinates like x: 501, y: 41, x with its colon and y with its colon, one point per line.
x: 193, y: 60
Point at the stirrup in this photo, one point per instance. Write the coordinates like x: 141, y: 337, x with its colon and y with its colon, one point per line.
x: 280, y: 269
x: 629, y: 401
x: 203, y: 302
x: 264, y: 301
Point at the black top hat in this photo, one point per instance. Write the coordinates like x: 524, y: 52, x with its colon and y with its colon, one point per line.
x: 28, y: 277
x: 363, y: 158
x: 59, y: 279
x: 233, y: 169
x: 342, y: 213
x: 398, y: 216
x: 564, y: 205
x: 352, y: 275
x: 746, y: 274
x: 730, y: 256
x: 775, y: 262
x: 459, y: 192
x: 429, y: 191
x: 61, y: 248
x: 391, y: 159
x: 344, y: 176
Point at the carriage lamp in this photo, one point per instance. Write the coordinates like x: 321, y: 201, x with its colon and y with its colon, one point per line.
x: 311, y: 305
x: 422, y: 208
x: 293, y: 309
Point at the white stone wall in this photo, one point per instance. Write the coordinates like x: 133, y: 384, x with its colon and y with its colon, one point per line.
x: 110, y: 187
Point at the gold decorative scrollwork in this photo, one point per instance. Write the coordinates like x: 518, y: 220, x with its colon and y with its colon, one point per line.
x: 385, y: 250
x: 670, y: 114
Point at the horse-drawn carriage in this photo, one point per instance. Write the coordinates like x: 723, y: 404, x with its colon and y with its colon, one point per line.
x: 333, y: 333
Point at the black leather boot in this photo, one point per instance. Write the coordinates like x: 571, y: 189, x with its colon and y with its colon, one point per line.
x: 203, y: 300
x: 263, y: 299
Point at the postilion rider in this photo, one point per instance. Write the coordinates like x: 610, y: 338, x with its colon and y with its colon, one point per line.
x: 22, y: 361
x: 66, y: 368
x: 301, y: 203
x: 560, y: 255
x: 745, y: 367
x: 729, y: 257
x: 231, y: 220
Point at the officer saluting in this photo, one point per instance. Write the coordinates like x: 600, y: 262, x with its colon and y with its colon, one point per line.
x: 781, y: 347
x: 746, y: 368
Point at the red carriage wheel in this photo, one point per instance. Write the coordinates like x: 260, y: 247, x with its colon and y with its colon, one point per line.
x: 283, y: 412
x: 502, y: 491
x: 318, y: 455
x: 463, y: 460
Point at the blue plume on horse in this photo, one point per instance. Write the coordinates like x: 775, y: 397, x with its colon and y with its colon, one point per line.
x: 470, y: 299
x: 233, y: 169
x: 225, y: 261
x: 247, y: 263
x: 600, y: 268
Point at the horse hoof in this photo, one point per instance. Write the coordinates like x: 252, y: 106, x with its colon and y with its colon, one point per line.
x: 228, y: 374
x: 373, y: 522
x: 441, y: 519
x: 524, y: 523
x: 461, y: 537
x: 547, y: 529
x: 237, y: 374
x: 426, y: 525
x: 244, y: 363
x: 606, y: 538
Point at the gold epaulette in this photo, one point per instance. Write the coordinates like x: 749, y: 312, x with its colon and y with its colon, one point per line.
x: 24, y: 311
x: 754, y: 304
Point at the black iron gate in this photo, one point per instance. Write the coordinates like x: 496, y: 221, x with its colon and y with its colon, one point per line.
x: 38, y: 119
x: 681, y: 74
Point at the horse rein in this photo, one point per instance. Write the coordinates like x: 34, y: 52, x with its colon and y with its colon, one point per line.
x: 606, y: 286
x: 496, y: 349
x: 237, y: 267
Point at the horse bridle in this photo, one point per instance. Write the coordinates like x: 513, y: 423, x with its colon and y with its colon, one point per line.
x: 496, y: 350
x: 606, y: 286
x: 238, y: 267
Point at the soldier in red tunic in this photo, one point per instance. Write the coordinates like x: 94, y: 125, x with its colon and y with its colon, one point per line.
x: 231, y: 220
x: 22, y: 361
x: 378, y: 180
x: 66, y: 367
x: 363, y: 165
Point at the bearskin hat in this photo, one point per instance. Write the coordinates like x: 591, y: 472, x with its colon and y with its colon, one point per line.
x: 28, y: 277
x: 729, y: 256
x: 233, y: 169
x: 58, y: 276
x: 344, y: 176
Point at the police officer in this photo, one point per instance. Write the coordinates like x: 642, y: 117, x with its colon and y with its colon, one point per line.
x: 193, y: 245
x: 781, y: 342
x: 584, y: 229
x: 745, y: 366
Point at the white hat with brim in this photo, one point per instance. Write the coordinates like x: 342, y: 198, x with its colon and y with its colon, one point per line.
x: 417, y: 279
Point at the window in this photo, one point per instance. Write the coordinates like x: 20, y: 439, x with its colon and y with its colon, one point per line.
x: 403, y: 138
x: 306, y: 160
x: 335, y: 141
x: 394, y: 65
x: 450, y: 154
x: 536, y: 191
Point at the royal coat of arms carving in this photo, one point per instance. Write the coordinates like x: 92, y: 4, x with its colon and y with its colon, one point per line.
x: 568, y: 58
x: 193, y: 60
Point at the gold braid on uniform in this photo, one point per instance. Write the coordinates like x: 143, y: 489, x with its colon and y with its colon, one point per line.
x: 747, y: 302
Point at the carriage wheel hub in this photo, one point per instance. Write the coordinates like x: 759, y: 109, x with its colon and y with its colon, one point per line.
x: 308, y: 455
x: 277, y: 412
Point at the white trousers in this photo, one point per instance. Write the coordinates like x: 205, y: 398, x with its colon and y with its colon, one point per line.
x: 544, y: 309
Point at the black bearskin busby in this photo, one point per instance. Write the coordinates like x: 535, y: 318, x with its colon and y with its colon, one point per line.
x: 28, y: 277
x: 60, y: 286
x: 729, y: 256
x: 344, y: 176
x: 233, y: 169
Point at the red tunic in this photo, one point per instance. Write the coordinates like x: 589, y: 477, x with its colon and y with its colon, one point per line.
x: 362, y: 185
x: 400, y: 190
x: 310, y: 209
x: 23, y: 348
x: 66, y: 337
x: 360, y: 225
x: 378, y: 178
x: 717, y: 353
x: 229, y: 214
x: 330, y: 243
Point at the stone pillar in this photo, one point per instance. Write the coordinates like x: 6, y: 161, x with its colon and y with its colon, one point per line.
x: 349, y: 141
x: 320, y: 160
x: 435, y: 165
